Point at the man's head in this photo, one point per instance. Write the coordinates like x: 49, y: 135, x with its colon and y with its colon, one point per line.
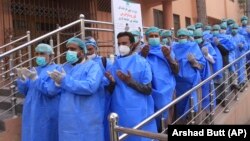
x: 208, y: 28
x: 199, y: 26
x: 198, y: 36
x: 92, y: 48
x: 230, y: 22
x: 182, y: 35
x: 166, y: 37
x: 235, y: 29
x: 223, y: 28
x: 153, y: 36
x: 244, y: 20
x: 191, y: 29
x: 216, y: 29
x: 126, y: 43
x: 44, y: 54
x: 76, y: 50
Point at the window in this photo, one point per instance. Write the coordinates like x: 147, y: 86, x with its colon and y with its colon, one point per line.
x: 188, y: 21
x: 176, y: 23
x: 158, y: 18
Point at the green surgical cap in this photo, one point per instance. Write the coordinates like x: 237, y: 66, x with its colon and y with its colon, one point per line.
x: 166, y: 33
x: 136, y: 33
x: 223, y: 26
x: 183, y: 32
x: 235, y: 26
x: 223, y: 20
x: 191, y: 27
x: 152, y: 29
x: 216, y: 27
x: 78, y: 42
x: 199, y: 25
x: 44, y: 48
x: 230, y: 21
x: 198, y: 33
x: 244, y: 18
x: 208, y: 27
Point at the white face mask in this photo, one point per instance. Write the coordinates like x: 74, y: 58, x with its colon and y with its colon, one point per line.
x: 91, y: 56
x: 124, y: 50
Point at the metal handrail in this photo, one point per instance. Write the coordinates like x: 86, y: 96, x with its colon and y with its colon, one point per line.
x: 40, y: 38
x: 98, y: 22
x: 17, y: 40
x: 142, y: 133
x: 159, y: 112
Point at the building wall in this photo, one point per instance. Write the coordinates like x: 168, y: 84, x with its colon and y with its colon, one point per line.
x: 185, y: 8
x: 216, y: 10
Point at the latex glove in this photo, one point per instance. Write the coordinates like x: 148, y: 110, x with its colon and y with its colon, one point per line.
x: 205, y: 51
x: 210, y: 58
x: 110, y: 77
x: 32, y: 74
x: 145, y: 51
x: 216, y: 41
x: 191, y: 58
x: 57, y: 76
x: 20, y: 74
x: 124, y: 77
x: 166, y: 51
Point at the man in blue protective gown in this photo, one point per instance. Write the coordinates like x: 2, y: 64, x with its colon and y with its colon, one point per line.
x: 191, y: 62
x: 131, y: 97
x: 210, y: 56
x: 226, y: 47
x: 105, y: 65
x: 40, y: 108
x: 245, y: 31
x: 241, y: 48
x: 164, y: 66
x: 81, y: 109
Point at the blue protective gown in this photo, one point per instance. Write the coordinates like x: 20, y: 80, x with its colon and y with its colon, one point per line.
x: 105, y: 92
x: 163, y: 78
x: 188, y: 76
x: 40, y: 108
x: 243, y: 31
x: 131, y: 105
x: 81, y: 109
x: 240, y: 65
x: 205, y: 73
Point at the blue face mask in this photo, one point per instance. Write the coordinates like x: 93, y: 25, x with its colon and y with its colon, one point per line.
x: 182, y: 41
x: 165, y: 41
x: 199, y: 40
x: 154, y: 41
x: 244, y: 22
x: 71, y: 57
x: 41, y: 61
x: 216, y: 32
